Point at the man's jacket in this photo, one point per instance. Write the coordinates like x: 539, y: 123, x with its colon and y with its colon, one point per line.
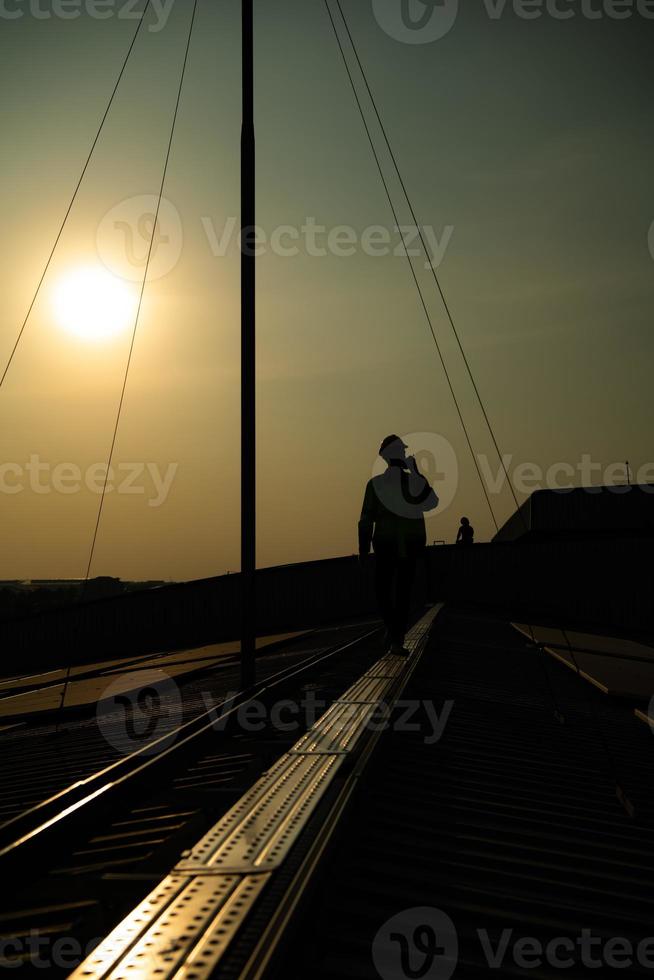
x: 392, y: 516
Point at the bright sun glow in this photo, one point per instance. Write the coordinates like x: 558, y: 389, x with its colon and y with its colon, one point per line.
x: 92, y: 304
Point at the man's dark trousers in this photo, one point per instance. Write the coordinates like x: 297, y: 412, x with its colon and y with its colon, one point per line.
x: 394, y: 577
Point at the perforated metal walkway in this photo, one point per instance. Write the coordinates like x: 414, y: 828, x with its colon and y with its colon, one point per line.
x: 187, y: 924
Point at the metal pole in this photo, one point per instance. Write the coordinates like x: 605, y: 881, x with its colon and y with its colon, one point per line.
x: 248, y: 404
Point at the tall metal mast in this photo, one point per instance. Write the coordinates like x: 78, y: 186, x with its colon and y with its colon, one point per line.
x: 248, y: 402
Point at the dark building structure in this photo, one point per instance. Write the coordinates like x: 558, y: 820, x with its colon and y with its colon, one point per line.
x: 583, y: 511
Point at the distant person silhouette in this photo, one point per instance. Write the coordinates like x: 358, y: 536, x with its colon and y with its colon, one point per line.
x: 392, y: 519
x: 466, y: 533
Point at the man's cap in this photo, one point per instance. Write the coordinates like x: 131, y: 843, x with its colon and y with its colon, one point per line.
x: 388, y: 441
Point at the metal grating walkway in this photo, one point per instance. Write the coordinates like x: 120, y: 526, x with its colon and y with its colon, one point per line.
x: 186, y: 924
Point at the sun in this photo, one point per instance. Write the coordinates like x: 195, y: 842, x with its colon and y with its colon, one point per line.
x: 92, y: 304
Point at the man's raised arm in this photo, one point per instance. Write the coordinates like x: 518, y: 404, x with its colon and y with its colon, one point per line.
x: 421, y: 491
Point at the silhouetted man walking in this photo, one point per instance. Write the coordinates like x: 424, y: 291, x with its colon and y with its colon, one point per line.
x: 392, y: 518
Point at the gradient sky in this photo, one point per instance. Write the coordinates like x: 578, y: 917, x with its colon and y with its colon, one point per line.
x: 532, y: 139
